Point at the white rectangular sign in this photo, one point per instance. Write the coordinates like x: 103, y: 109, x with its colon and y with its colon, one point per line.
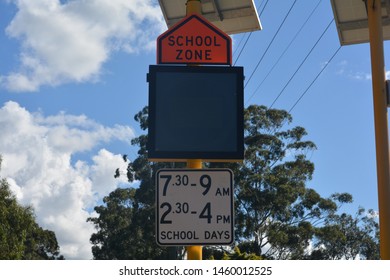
x: 194, y: 207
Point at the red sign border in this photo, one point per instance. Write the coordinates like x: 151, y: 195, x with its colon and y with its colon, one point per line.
x: 210, y: 26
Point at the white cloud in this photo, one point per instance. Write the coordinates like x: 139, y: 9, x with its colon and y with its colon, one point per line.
x: 37, y: 152
x: 387, y: 75
x: 361, y: 76
x: 70, y: 41
x: 344, y: 70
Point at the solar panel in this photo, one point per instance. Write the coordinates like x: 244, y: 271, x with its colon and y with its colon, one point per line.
x: 352, y: 23
x: 231, y: 16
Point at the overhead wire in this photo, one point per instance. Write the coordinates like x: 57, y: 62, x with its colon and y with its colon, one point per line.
x: 314, y: 80
x: 250, y: 34
x: 302, y: 63
x: 238, y: 46
x: 304, y: 60
x: 246, y: 41
x: 285, y: 50
x: 304, y: 93
x: 299, y: 67
x: 270, y: 44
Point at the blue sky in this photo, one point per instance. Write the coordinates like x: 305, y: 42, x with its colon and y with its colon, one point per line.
x: 73, y: 75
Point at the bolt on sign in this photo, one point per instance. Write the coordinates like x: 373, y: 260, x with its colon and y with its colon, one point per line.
x: 194, y: 207
x: 194, y: 40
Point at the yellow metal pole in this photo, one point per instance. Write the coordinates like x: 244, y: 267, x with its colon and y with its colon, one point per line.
x: 374, y: 10
x: 193, y: 7
x: 194, y: 252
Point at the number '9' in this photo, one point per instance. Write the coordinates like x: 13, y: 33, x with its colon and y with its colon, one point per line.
x: 205, y: 182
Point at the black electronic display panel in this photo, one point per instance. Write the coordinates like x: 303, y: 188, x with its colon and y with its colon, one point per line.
x: 195, y: 113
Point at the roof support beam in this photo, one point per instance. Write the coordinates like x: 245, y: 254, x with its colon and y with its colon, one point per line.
x: 217, y: 10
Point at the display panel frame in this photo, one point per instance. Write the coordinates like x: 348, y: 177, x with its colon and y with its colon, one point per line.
x: 195, y: 113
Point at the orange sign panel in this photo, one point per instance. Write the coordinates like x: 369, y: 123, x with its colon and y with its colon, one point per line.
x: 194, y: 40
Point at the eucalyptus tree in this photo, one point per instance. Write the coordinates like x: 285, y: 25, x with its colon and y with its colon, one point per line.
x: 277, y: 215
x: 21, y: 238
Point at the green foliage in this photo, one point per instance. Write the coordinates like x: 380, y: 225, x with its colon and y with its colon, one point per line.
x: 238, y: 255
x: 276, y: 215
x: 125, y: 223
x: 348, y: 237
x: 20, y: 236
x: 274, y: 207
x: 125, y: 228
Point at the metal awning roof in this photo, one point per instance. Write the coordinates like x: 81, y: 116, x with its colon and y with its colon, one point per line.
x: 352, y: 23
x: 231, y: 16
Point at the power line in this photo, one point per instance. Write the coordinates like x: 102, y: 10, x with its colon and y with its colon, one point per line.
x: 304, y: 60
x: 269, y: 45
x: 285, y: 50
x: 246, y: 41
x: 315, y: 79
x: 302, y: 95
x: 250, y: 34
x: 306, y: 90
x: 238, y: 46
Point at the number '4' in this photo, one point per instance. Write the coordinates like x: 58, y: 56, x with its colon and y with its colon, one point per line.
x: 206, y: 213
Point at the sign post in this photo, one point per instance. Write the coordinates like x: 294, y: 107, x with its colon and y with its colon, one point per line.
x: 354, y: 28
x: 194, y: 252
x: 194, y: 206
x: 381, y: 123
